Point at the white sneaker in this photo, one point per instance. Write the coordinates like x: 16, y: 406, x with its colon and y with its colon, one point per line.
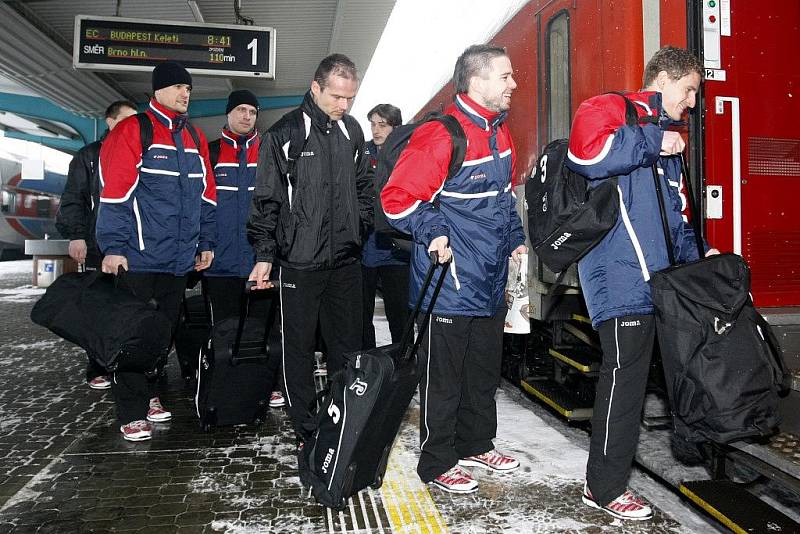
x: 100, y: 382
x: 157, y: 413
x: 276, y: 400
x: 493, y: 460
x: 626, y: 506
x: 137, y: 431
x: 456, y: 480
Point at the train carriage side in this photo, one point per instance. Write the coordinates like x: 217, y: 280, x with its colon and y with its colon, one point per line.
x: 745, y: 156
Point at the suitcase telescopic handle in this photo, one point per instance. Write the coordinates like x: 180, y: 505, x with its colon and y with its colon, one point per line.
x: 406, y: 348
x: 244, y: 299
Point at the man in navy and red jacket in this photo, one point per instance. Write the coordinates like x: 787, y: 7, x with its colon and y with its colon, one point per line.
x: 156, y: 220
x: 471, y: 221
x: 614, y: 274
x: 235, y: 176
x: 234, y: 257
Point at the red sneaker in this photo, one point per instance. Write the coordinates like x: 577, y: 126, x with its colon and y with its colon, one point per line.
x: 137, y: 431
x: 493, y: 460
x: 456, y: 480
x: 276, y: 400
x: 157, y: 413
x: 626, y: 506
x: 100, y: 382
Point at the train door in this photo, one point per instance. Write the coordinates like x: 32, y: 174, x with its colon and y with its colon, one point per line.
x: 752, y: 140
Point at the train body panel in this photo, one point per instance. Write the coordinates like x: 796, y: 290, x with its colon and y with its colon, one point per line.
x: 565, y: 51
x: 27, y: 207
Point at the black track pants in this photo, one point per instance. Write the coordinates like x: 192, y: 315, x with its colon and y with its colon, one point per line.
x: 394, y: 287
x: 133, y: 391
x: 627, y: 348
x: 460, y: 359
x: 331, y: 298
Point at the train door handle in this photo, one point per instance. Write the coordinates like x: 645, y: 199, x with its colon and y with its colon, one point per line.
x: 736, y: 156
x: 713, y: 202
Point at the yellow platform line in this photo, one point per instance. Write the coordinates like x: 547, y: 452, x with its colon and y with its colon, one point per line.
x: 407, y: 501
x: 719, y: 516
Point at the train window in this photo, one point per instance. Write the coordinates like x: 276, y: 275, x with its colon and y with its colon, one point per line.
x: 43, y: 207
x: 558, y: 89
x: 9, y: 202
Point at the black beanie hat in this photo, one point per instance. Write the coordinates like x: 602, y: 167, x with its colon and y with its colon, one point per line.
x: 242, y: 96
x: 170, y: 73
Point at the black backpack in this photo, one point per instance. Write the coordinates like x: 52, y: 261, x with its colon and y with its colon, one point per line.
x: 566, y: 217
x: 390, y: 152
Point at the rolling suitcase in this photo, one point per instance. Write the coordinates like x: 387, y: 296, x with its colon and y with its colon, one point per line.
x: 354, y: 428
x: 194, y: 327
x: 237, y: 368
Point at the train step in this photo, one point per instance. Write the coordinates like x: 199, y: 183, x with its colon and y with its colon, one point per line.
x: 587, y: 361
x: 782, y: 454
x: 583, y: 333
x: 560, y: 398
x: 736, y: 508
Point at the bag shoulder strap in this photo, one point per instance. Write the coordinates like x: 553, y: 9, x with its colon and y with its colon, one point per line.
x: 297, y: 143
x: 193, y: 133
x: 213, y: 152
x: 145, y: 131
x: 459, y: 139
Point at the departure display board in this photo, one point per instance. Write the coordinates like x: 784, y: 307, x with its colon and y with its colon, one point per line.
x: 114, y: 43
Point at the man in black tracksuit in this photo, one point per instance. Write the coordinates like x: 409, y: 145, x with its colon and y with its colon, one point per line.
x: 77, y: 212
x: 313, y: 224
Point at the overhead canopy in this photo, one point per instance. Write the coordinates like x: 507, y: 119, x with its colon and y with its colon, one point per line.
x: 37, y: 42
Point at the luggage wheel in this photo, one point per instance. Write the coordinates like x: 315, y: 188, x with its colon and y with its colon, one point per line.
x: 378, y: 482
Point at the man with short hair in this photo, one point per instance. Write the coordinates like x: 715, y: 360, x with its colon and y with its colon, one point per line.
x: 77, y: 212
x: 381, y: 261
x: 614, y: 274
x: 156, y: 221
x: 310, y: 215
x: 469, y: 220
x: 234, y: 157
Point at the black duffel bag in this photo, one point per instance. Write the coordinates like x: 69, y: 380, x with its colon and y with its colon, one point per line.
x: 99, y: 313
x: 723, y: 366
x: 722, y: 362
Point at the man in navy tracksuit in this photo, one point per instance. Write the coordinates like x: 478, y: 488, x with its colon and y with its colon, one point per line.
x: 614, y: 274
x: 156, y: 221
x: 471, y: 221
x: 235, y: 175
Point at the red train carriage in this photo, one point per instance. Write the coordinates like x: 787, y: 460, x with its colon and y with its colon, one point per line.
x: 744, y: 156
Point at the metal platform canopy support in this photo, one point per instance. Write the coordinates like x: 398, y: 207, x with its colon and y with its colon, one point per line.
x: 42, y: 108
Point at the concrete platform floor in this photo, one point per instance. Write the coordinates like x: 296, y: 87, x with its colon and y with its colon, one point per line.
x: 64, y: 466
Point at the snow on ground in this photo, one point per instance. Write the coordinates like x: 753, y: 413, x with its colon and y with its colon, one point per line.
x: 17, y: 267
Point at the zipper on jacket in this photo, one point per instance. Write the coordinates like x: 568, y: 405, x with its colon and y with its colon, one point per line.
x: 329, y: 137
